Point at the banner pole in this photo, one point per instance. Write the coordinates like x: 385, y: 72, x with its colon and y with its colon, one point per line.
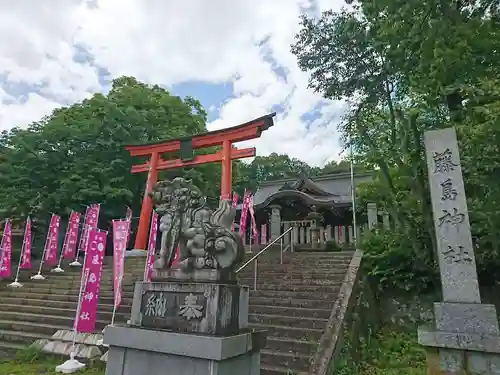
x: 85, y: 231
x: 114, y: 302
x: 73, y: 365
x: 16, y: 283
x: 148, y: 255
x: 1, y: 243
x: 58, y: 269
x: 39, y: 275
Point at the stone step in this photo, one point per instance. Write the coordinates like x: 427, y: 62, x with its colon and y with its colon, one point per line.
x: 20, y: 325
x: 37, y: 306
x: 292, y: 361
x: 284, y: 320
x: 63, y: 317
x: 10, y: 349
x: 293, y: 279
x: 263, y: 285
x: 283, y: 331
x: 127, y: 295
x: 328, y: 287
x: 59, y: 299
x: 330, y: 295
x: 304, y: 263
x: 289, y: 311
x: 288, y: 345
x: 334, y: 274
x: 278, y: 299
x: 75, y: 279
x: 278, y: 370
x: 286, y: 302
x: 19, y: 337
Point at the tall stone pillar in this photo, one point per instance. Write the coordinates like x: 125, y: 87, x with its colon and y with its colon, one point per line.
x: 465, y: 339
x: 372, y: 215
x: 302, y: 231
x: 286, y: 239
x: 386, y: 221
x: 275, y: 222
x: 295, y: 231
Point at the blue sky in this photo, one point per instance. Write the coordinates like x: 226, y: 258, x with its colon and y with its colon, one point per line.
x: 212, y: 96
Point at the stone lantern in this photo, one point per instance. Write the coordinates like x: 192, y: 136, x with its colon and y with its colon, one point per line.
x: 316, y: 220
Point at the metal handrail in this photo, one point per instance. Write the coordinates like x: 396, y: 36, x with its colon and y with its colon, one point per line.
x: 263, y: 250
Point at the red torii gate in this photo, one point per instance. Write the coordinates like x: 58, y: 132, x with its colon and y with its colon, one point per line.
x: 224, y: 137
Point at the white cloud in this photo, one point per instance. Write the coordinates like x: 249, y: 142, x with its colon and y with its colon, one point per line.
x: 168, y: 42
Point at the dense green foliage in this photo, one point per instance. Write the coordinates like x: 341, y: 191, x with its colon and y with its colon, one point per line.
x: 392, y: 352
x: 407, y: 67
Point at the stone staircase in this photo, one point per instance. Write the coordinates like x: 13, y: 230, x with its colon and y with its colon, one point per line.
x: 293, y: 303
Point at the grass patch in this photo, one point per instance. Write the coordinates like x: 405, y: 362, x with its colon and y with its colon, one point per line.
x: 34, y: 362
x: 391, y: 352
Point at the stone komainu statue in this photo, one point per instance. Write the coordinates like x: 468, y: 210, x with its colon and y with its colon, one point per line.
x: 204, y: 237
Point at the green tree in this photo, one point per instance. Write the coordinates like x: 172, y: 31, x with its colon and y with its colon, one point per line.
x: 76, y: 156
x: 406, y: 67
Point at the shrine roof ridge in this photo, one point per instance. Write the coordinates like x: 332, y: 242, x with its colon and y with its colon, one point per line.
x: 330, y: 176
x: 267, y: 121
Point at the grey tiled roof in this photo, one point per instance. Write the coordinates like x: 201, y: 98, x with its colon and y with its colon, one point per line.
x: 339, y: 185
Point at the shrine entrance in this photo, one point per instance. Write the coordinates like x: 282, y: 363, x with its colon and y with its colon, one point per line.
x: 223, y: 138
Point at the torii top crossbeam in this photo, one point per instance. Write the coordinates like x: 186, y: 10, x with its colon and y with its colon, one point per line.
x: 224, y: 137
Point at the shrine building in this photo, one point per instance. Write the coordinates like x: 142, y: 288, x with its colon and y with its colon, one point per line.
x: 324, y: 201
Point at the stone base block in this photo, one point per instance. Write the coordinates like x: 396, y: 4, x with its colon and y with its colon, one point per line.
x: 466, y: 340
x: 466, y: 317
x: 65, y: 348
x: 205, y: 308
x: 61, y: 342
x: 81, y: 338
x: 458, y: 362
x: 138, y: 351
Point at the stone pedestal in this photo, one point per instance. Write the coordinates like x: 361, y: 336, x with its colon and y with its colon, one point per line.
x: 134, y: 351
x: 206, y: 308
x: 465, y: 340
x: 179, y: 326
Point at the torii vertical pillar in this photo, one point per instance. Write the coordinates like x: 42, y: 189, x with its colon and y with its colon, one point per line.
x: 224, y: 138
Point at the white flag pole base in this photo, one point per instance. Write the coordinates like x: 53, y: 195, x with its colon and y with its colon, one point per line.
x: 70, y: 366
x: 57, y: 270
x: 76, y: 263
x: 15, y: 284
x: 38, y: 276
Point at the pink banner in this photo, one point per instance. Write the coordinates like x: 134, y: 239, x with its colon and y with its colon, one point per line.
x: 120, y: 235
x: 92, y: 270
x: 71, y: 237
x: 151, y: 247
x: 53, y: 241
x: 263, y: 234
x: 90, y: 221
x: 6, y: 251
x: 235, y: 203
x: 244, y: 213
x: 128, y: 216
x: 252, y: 216
x: 26, y: 250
